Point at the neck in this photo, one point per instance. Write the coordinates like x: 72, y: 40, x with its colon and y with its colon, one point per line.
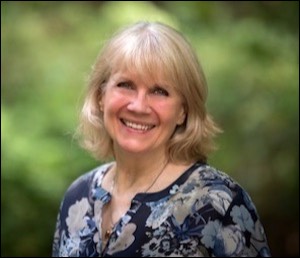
x: 137, y: 173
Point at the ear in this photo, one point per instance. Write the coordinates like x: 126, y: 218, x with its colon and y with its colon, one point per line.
x: 100, y: 101
x: 101, y: 106
x: 181, y: 116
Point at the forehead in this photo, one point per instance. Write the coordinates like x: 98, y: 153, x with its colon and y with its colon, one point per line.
x: 149, y: 63
x: 137, y: 76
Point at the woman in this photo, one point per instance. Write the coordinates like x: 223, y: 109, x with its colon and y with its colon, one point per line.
x: 145, y: 109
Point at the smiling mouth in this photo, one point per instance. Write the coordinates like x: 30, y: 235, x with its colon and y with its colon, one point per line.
x: 137, y: 126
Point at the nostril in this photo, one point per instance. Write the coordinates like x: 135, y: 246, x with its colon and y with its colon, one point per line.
x: 139, y: 105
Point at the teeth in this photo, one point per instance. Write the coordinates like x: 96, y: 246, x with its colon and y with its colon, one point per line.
x: 140, y: 127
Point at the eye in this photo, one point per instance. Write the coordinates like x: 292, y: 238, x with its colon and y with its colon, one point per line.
x: 160, y: 91
x: 125, y: 85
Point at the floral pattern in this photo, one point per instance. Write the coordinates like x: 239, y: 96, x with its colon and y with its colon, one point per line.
x: 203, y: 213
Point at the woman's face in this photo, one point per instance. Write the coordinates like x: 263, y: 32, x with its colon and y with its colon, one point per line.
x: 140, y: 116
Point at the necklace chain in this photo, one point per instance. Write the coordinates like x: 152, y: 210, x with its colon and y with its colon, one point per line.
x: 149, y: 187
x: 109, y: 231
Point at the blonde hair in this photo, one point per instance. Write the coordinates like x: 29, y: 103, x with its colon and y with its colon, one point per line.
x: 149, y: 47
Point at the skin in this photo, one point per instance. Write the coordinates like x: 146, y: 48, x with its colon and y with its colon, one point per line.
x: 140, y: 116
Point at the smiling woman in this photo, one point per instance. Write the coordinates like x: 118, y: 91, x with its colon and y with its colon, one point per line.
x: 140, y: 116
x: 145, y: 109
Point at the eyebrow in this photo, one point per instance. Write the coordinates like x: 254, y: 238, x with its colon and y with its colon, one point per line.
x: 119, y: 76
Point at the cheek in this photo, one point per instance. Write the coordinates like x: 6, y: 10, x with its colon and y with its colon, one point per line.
x: 113, y: 102
x: 169, y: 113
x: 110, y: 113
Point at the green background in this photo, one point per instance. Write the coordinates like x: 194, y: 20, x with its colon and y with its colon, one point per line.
x: 249, y: 52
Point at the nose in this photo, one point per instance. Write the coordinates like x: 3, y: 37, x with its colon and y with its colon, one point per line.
x: 139, y: 103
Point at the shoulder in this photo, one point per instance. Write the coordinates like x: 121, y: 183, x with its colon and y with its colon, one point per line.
x: 211, y: 177
x: 217, y: 188
x: 232, y: 226
x: 83, y: 185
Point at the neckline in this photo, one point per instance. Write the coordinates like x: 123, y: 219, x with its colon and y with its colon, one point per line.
x: 154, y: 196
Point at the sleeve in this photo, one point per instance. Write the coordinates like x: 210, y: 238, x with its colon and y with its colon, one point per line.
x: 75, y: 204
x: 56, y: 239
x: 239, y: 233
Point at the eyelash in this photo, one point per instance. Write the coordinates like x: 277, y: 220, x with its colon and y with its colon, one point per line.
x: 160, y: 91
x: 156, y: 90
x: 126, y: 85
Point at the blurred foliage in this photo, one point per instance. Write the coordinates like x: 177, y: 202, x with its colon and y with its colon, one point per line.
x: 250, y: 54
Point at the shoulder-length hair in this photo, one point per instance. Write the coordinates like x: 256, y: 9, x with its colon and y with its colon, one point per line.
x: 151, y: 48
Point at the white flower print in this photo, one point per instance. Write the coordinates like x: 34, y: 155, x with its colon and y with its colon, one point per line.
x: 184, y: 202
x: 124, y: 240
x: 150, y: 248
x: 69, y: 246
x: 220, y: 200
x: 204, y: 214
x: 232, y: 240
x: 75, y: 220
x: 158, y: 215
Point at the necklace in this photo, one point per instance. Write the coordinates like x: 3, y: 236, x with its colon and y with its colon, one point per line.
x: 109, y: 231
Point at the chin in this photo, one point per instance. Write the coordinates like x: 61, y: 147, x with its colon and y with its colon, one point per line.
x: 134, y: 148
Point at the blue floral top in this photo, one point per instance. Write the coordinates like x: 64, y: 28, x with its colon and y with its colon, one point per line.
x: 203, y: 213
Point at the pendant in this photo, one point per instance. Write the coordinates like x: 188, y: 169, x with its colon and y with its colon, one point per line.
x: 107, y: 234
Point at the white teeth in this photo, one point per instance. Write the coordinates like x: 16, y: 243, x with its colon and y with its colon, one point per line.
x: 140, y: 127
